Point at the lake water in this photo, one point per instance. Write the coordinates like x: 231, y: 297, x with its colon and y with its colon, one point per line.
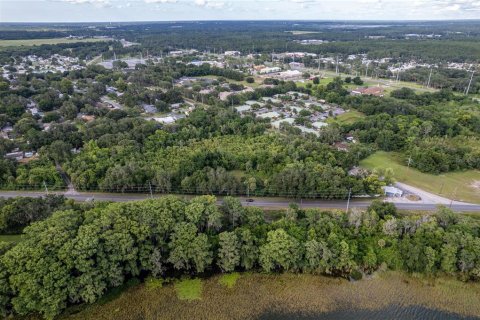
x: 391, y: 312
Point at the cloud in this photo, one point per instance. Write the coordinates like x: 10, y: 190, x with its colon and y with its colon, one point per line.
x: 210, y: 4
x: 160, y: 1
x: 97, y: 3
x: 452, y: 5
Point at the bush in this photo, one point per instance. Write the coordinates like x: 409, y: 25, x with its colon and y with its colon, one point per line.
x: 189, y: 289
x: 229, y: 280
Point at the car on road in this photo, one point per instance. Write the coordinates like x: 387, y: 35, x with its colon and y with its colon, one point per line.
x: 249, y: 200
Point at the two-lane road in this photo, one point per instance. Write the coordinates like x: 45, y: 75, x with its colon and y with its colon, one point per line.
x: 258, y: 202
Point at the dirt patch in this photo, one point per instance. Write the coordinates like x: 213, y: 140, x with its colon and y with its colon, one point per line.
x: 413, y: 197
x: 476, y: 184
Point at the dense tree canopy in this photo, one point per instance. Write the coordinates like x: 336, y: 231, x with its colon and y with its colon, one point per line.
x: 76, y: 256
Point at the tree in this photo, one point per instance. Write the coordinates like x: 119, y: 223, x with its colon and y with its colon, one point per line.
x: 316, y: 80
x: 42, y: 276
x: 248, y: 248
x: 66, y: 86
x: 58, y: 151
x: 203, y: 212
x: 253, y: 216
x: 233, y: 210
x: 292, y: 212
x: 281, y: 251
x: 317, y: 257
x: 17, y: 213
x: 188, y: 249
x: 358, y: 81
x: 383, y: 209
x: 250, y: 80
x: 251, y: 185
x: 370, y: 259
x: 448, y: 258
x: 228, y: 252
x: 430, y: 257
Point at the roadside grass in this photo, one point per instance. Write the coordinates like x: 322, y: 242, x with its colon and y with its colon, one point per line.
x: 39, y: 42
x: 471, y: 214
x: 229, y: 280
x: 189, y: 289
x: 453, y: 185
x: 346, y: 118
x: 10, y: 238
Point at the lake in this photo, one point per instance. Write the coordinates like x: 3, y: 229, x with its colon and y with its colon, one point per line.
x: 391, y: 312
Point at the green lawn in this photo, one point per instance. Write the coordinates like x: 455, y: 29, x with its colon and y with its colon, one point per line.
x: 38, y: 42
x: 347, y: 118
x: 389, y: 86
x: 457, y: 185
x: 11, y: 237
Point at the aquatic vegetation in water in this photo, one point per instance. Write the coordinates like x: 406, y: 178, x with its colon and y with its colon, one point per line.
x: 189, y: 289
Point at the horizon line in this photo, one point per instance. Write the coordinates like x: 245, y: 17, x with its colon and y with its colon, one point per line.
x: 245, y: 20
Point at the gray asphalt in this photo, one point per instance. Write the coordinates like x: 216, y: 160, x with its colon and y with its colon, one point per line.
x: 258, y: 202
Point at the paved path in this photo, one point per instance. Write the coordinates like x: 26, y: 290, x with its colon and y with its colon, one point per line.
x: 273, y: 203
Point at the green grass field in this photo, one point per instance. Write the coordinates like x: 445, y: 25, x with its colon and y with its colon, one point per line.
x: 389, y: 86
x: 39, y: 42
x: 347, y: 118
x: 456, y: 185
x: 11, y: 238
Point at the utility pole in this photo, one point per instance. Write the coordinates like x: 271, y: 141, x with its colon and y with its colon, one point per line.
x: 469, y: 83
x: 453, y: 196
x: 151, y: 192
x: 429, y: 78
x: 348, y: 201
x: 45, y: 185
x: 336, y: 67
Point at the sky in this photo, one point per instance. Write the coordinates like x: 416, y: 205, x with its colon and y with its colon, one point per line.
x: 176, y: 10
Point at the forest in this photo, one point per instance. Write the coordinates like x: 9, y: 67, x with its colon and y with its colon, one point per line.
x: 457, y: 43
x: 76, y: 255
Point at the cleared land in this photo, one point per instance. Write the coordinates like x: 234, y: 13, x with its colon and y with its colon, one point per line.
x: 10, y: 237
x: 387, y: 84
x: 347, y: 117
x: 256, y: 84
x: 460, y: 186
x: 39, y: 42
x: 257, y: 296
